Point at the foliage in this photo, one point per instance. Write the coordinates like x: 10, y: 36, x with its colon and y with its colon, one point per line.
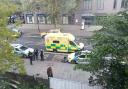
x: 35, y: 86
x: 6, y: 84
x: 54, y: 8
x: 8, y: 60
x: 109, y: 59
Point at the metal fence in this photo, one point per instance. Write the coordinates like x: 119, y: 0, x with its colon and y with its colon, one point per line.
x: 66, y: 84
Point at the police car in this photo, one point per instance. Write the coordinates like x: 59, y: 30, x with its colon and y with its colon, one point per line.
x: 79, y: 57
x: 21, y: 50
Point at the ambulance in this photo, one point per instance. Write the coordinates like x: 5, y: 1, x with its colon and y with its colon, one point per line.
x: 62, y: 42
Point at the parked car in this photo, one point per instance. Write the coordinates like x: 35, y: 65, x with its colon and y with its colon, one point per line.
x: 79, y: 57
x: 21, y: 50
x: 16, y: 32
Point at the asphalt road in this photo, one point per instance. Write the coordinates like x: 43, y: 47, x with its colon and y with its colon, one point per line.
x: 31, y: 38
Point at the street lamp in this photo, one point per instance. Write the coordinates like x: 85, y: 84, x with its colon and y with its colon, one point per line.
x: 38, y: 9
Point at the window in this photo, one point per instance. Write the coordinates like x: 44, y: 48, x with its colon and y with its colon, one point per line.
x: 124, y: 4
x: 100, y: 4
x: 82, y: 56
x: 17, y: 49
x: 65, y: 19
x: 48, y: 19
x: 55, y: 41
x: 23, y: 48
x: 115, y: 4
x: 88, y: 4
x: 72, y: 43
x: 41, y: 19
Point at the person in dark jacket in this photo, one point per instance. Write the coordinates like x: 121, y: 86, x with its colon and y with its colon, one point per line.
x: 36, y: 54
x: 49, y: 72
x: 90, y: 79
x: 31, y: 58
x: 42, y: 55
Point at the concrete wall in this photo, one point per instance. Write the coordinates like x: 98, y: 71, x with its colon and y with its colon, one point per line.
x: 67, y: 84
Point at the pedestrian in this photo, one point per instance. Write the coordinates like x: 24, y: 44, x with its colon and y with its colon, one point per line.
x: 83, y: 25
x: 30, y: 57
x: 49, y: 72
x: 42, y: 55
x: 33, y: 56
x: 36, y: 54
x: 90, y: 80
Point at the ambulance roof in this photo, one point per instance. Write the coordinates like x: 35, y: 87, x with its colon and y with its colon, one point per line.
x: 68, y: 35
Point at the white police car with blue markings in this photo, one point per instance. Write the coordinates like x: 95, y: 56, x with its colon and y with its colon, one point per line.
x: 79, y: 57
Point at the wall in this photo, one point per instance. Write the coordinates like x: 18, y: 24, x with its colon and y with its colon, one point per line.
x: 66, y: 84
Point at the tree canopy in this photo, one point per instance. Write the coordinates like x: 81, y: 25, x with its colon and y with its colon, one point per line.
x: 109, y: 58
x: 8, y: 60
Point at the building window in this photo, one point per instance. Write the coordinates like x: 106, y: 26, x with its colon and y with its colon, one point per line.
x: 100, y: 4
x: 30, y: 18
x: 88, y: 4
x: 65, y: 19
x: 115, y: 4
x: 124, y: 4
x: 41, y: 19
x: 48, y: 19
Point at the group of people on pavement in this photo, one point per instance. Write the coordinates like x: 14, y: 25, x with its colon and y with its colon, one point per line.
x: 35, y: 55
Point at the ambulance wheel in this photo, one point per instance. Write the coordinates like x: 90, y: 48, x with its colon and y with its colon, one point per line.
x: 54, y: 50
x: 73, y: 62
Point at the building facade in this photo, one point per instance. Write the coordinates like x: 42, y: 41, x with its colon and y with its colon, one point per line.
x: 87, y: 12
x: 90, y: 9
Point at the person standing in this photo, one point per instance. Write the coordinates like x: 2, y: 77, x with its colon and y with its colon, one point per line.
x: 36, y: 54
x: 83, y: 25
x: 42, y: 55
x: 90, y: 80
x: 31, y: 58
x: 49, y: 72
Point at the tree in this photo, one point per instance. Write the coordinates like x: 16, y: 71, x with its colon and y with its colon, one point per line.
x: 8, y: 60
x: 109, y: 59
x: 54, y: 8
x: 58, y: 7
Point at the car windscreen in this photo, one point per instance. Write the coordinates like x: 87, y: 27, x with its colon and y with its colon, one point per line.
x: 23, y: 48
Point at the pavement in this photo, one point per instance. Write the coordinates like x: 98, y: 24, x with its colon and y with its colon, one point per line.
x: 60, y: 70
x: 74, y: 29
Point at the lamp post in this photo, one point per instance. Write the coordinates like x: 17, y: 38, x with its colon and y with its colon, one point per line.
x: 38, y: 9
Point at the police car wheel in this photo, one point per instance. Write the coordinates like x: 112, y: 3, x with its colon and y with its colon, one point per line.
x: 73, y: 62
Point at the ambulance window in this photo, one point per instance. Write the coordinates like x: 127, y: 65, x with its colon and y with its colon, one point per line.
x: 72, y: 43
x: 55, y: 41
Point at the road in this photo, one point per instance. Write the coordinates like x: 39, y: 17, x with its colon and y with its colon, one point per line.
x: 31, y: 38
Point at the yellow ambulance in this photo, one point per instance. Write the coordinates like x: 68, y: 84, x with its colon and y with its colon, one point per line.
x: 62, y: 42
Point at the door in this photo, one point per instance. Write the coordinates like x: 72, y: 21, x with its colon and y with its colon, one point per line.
x: 30, y: 19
